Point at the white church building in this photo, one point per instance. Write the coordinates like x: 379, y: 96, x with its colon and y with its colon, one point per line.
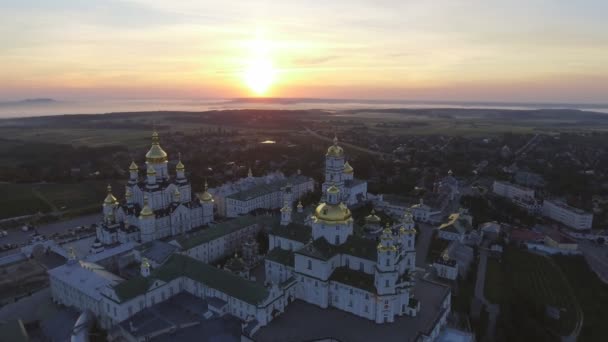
x: 156, y: 204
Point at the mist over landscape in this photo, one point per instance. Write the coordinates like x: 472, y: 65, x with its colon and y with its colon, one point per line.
x: 47, y: 106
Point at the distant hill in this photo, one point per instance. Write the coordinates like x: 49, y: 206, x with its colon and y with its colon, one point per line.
x: 26, y: 102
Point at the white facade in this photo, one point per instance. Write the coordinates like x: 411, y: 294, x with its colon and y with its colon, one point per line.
x: 267, y: 196
x: 338, y: 269
x: 569, y: 216
x: 511, y: 191
x: 521, y: 196
x: 341, y: 174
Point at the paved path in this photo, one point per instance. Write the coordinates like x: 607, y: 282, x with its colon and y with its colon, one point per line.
x: 597, y: 258
x: 423, y: 243
x: 19, y: 236
x: 493, y: 309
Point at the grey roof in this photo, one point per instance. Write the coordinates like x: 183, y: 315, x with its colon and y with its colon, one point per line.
x: 263, y: 189
x: 281, y: 256
x: 180, y: 309
x: 216, y: 231
x: 292, y: 231
x: 354, y: 245
x: 90, y: 277
x: 157, y: 251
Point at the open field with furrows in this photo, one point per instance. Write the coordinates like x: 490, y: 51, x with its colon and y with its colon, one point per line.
x: 26, y: 199
x: 537, y: 280
x: 592, y: 294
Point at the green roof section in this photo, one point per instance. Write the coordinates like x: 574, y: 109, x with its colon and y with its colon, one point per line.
x: 354, y: 245
x: 183, y: 266
x: 281, y: 256
x: 354, y: 278
x: 293, y: 231
x: 262, y: 189
x: 133, y: 287
x: 190, y: 240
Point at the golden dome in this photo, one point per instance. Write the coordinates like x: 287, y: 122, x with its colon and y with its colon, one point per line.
x: 332, y: 212
x: 128, y: 193
x: 151, y: 171
x: 176, y: 193
x: 145, y: 263
x: 156, y: 154
x: 372, y: 217
x: 146, y: 211
x: 110, y: 199
x: 205, y: 196
x: 333, y: 190
x: 348, y: 168
x: 335, y: 150
x: 180, y: 166
x: 133, y: 166
x: 286, y: 207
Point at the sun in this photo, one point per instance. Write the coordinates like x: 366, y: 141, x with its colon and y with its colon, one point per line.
x: 259, y: 76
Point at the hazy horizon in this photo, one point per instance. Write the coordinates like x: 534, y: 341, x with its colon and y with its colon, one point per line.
x: 16, y: 109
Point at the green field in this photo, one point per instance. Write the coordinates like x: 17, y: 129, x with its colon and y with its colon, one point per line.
x: 26, y: 199
x: 537, y: 281
x: 494, y: 290
x: 592, y: 294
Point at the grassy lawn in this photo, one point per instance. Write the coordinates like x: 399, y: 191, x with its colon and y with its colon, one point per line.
x: 495, y: 280
x: 591, y: 293
x: 525, y: 277
x: 28, y: 199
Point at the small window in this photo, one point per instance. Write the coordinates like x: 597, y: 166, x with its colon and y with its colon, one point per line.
x: 387, y: 262
x: 309, y: 264
x: 386, y: 283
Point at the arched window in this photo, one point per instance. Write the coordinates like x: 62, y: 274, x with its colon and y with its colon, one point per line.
x: 309, y: 264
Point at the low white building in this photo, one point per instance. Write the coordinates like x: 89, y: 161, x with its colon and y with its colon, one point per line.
x: 572, y: 217
x: 510, y: 190
x: 457, y: 226
x: 267, y: 196
x: 446, y: 267
x: 519, y: 195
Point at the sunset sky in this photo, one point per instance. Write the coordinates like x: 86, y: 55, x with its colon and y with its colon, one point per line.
x: 482, y: 50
